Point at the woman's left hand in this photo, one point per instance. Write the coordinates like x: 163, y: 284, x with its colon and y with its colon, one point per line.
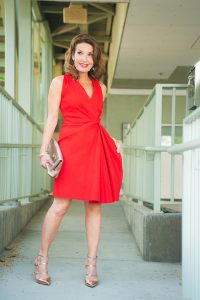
x: 117, y: 143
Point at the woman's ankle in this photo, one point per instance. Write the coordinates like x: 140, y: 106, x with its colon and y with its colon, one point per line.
x: 43, y: 254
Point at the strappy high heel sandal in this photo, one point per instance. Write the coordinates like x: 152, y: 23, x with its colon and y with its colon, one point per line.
x: 91, y: 278
x: 40, y: 272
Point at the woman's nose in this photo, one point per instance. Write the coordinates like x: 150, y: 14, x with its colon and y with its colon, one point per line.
x: 84, y: 57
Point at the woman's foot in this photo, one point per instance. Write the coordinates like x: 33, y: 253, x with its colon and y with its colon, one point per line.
x: 41, y: 270
x: 91, y: 278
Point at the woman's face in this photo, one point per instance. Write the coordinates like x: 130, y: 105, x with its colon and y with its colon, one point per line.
x: 83, y: 57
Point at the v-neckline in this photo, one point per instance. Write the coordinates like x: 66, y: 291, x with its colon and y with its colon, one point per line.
x: 90, y: 98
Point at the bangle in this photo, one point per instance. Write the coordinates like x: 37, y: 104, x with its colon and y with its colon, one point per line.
x: 42, y: 154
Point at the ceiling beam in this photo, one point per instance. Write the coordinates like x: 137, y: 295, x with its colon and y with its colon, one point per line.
x: 83, y: 28
x: 67, y: 28
x: 60, y: 44
x: 69, y: 37
x: 105, y: 56
x: 59, y: 10
x: 105, y: 7
x: 108, y: 32
x: 59, y: 56
x: 94, y: 19
x: 64, y: 29
x: 53, y: 9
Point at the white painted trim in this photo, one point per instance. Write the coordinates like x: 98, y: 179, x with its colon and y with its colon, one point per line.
x: 130, y: 91
x: 143, y: 92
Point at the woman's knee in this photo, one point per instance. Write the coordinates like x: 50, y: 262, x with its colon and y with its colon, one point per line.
x: 93, y: 207
x: 60, y: 206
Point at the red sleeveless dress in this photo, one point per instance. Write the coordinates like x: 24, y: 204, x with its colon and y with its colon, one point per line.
x: 92, y: 167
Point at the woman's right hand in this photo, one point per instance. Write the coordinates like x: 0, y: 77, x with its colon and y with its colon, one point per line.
x: 44, y: 160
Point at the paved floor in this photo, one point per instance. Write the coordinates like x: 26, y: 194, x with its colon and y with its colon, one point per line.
x: 123, y: 274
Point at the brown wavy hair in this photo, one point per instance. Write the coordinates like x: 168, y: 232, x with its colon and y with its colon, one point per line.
x: 98, y: 68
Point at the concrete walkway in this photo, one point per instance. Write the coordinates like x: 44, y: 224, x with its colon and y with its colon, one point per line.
x: 123, y: 274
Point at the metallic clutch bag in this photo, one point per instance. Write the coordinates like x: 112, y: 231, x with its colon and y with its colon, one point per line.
x: 57, y: 158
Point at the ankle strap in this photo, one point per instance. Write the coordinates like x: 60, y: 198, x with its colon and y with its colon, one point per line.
x: 43, y: 255
x: 90, y: 257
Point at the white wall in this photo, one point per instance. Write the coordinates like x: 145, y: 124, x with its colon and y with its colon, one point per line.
x: 122, y: 108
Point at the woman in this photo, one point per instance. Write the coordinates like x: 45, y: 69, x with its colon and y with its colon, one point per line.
x: 92, y: 164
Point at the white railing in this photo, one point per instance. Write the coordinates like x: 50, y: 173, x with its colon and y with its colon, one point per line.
x: 191, y: 207
x: 21, y: 176
x: 145, y: 156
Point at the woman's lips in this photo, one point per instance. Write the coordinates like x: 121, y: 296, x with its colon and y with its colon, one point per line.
x: 84, y: 65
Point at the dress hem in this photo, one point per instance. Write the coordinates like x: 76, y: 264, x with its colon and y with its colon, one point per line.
x: 88, y: 200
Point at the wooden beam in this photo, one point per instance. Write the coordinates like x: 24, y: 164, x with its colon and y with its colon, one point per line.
x: 53, y: 9
x: 59, y: 56
x: 94, y: 19
x: 69, y: 37
x: 105, y: 56
x: 60, y: 44
x: 104, y: 7
x: 108, y: 32
x: 84, y: 28
x: 64, y: 29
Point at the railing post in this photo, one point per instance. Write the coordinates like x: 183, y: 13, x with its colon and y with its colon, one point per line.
x: 157, y: 158
x: 173, y: 122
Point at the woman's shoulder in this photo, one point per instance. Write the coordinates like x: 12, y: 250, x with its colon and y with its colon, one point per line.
x: 58, y: 80
x: 57, y: 83
x: 103, y: 88
x: 102, y: 84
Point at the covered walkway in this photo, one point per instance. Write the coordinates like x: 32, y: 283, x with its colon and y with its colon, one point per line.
x: 123, y: 274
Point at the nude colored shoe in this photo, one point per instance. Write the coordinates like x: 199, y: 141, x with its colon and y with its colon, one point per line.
x: 40, y: 272
x: 91, y: 278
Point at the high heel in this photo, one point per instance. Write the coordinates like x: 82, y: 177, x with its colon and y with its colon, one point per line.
x: 91, y: 278
x: 41, y: 260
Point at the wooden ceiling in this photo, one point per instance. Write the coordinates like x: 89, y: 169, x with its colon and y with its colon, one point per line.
x: 99, y: 25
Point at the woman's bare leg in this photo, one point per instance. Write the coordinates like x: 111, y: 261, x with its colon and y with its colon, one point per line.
x: 52, y: 222
x: 50, y: 227
x: 93, y: 220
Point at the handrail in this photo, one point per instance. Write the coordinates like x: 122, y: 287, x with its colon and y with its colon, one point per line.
x: 19, y: 107
x: 165, y: 86
x: 175, y: 149
x: 180, y: 148
x: 19, y: 145
x: 146, y: 149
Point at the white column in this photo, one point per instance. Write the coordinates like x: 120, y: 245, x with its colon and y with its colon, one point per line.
x: 24, y: 47
x: 10, y: 47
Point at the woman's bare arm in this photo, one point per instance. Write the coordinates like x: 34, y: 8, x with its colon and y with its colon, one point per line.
x: 54, y: 97
x: 103, y: 87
